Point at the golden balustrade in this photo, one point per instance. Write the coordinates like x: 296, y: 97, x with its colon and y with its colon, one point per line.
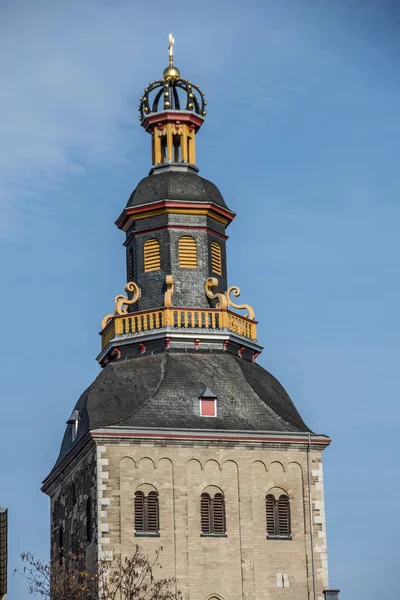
x: 178, y: 318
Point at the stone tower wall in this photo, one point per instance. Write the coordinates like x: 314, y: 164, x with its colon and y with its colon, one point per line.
x: 71, y: 515
x: 242, y: 565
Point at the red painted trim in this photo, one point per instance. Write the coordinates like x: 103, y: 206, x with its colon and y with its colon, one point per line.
x: 134, y: 210
x: 304, y: 440
x: 163, y: 227
x: 172, y: 117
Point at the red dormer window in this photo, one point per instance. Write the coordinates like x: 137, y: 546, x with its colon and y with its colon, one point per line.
x: 208, y: 403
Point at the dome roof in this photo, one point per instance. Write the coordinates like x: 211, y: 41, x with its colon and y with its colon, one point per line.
x: 175, y: 185
x: 163, y: 390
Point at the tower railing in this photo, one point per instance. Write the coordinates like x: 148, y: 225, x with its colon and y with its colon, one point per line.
x: 211, y: 319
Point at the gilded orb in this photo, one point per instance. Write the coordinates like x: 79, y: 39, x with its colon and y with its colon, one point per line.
x: 171, y: 72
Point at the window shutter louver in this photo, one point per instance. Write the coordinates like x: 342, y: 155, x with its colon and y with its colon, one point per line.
x: 270, y: 510
x: 88, y: 520
x: 219, y: 514
x: 139, y: 512
x: 216, y: 258
x: 60, y: 537
x: 74, y: 539
x: 283, y: 516
x: 60, y: 544
x: 131, y: 266
x: 205, y: 514
x: 187, y: 250
x: 152, y: 513
x: 147, y: 520
x: 152, y: 260
x: 278, y: 516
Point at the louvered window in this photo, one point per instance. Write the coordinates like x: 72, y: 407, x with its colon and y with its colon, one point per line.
x: 152, y: 260
x: 131, y: 265
x: 187, y: 250
x: 216, y: 258
x: 139, y: 512
x: 205, y: 513
x: 278, y: 516
x: 60, y: 537
x: 146, y: 514
x: 60, y: 544
x: 88, y: 520
x: 74, y: 539
x: 212, y: 514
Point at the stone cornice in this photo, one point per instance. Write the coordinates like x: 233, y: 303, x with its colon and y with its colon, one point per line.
x: 188, y: 436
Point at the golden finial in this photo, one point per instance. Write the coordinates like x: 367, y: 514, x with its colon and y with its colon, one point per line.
x: 171, y: 72
x: 171, y: 49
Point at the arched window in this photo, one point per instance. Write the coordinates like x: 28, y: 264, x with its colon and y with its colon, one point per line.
x: 216, y: 258
x: 278, y: 516
x: 187, y: 251
x: 60, y: 544
x: 131, y: 265
x: 73, y: 494
x: 212, y: 512
x: 74, y: 538
x: 88, y: 520
x: 147, y: 520
x: 152, y: 259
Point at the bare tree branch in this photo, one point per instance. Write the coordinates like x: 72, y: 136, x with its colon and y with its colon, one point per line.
x: 66, y: 577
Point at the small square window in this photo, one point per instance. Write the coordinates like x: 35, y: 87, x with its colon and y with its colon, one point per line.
x: 208, y: 407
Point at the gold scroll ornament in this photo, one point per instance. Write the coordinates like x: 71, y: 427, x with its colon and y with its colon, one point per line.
x: 212, y: 282
x: 224, y: 300
x: 122, y: 302
x: 236, y: 292
x: 169, y: 280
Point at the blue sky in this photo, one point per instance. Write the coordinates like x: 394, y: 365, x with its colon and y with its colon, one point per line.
x: 303, y: 138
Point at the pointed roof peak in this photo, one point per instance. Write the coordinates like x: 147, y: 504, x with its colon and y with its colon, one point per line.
x: 208, y: 393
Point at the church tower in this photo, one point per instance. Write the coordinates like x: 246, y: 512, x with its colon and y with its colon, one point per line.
x: 184, y: 441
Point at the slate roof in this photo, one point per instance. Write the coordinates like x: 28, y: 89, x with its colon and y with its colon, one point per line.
x: 175, y: 185
x: 163, y: 390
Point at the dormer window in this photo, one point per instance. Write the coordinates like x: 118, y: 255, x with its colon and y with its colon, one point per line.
x: 74, y: 421
x: 208, y: 403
